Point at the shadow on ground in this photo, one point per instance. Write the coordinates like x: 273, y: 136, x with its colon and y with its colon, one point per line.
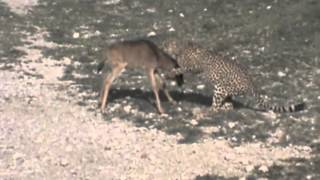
x: 13, y: 29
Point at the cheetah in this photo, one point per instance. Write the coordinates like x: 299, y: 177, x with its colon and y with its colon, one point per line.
x: 228, y: 78
x: 139, y: 54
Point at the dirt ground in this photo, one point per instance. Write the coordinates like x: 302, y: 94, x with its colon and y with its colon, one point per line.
x: 51, y: 128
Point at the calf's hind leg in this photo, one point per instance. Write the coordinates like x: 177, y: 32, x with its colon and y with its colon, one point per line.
x: 116, y: 71
x: 155, y: 89
x: 164, y: 88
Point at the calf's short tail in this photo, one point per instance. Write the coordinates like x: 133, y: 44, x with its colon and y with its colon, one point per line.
x: 100, y: 66
x: 179, y: 79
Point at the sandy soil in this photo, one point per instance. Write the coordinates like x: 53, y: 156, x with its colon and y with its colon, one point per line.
x: 46, y: 134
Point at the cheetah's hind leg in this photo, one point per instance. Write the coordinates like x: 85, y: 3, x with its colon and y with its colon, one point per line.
x: 221, y: 101
x: 227, y: 106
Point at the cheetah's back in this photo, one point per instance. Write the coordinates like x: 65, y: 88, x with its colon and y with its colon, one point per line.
x: 222, y: 72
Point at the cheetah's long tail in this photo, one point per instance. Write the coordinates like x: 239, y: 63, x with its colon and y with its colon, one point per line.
x: 105, y: 56
x: 266, y: 106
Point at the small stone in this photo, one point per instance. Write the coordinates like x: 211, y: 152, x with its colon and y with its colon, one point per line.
x: 73, y: 172
x: 234, y: 139
x: 97, y: 33
x: 66, y: 60
x: 173, y: 83
x: 194, y: 122
x: 246, y: 51
x: 151, y: 10
x: 86, y: 36
x: 253, y: 136
x: 226, y: 157
x: 115, y: 119
x: 281, y: 74
x: 309, y: 177
x: 77, y: 64
x: 263, y: 168
x: 76, y: 35
x: 134, y: 111
x: 231, y: 125
x: 64, y: 162
x: 201, y: 86
x: 172, y: 29
x: 152, y: 33
x: 181, y: 15
x: 110, y: 2
x: 249, y: 168
x: 150, y: 115
x: 164, y: 115
x: 268, y: 7
x: 306, y: 148
x: 114, y: 107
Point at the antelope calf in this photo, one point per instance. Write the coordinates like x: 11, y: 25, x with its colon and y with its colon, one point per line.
x: 142, y: 54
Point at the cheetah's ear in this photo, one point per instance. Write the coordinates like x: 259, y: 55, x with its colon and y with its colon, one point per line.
x: 191, y: 44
